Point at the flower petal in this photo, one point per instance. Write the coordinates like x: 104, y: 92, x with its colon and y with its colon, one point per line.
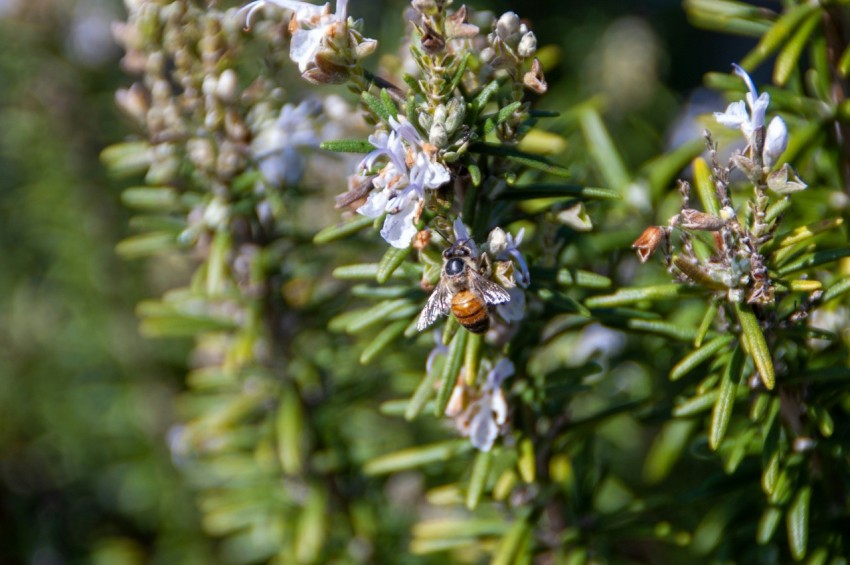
x: 482, y: 429
x: 305, y: 45
x: 776, y: 140
x: 497, y: 241
x: 376, y: 204
x: 399, y: 228
x: 503, y: 369
x: 759, y: 109
x: 739, y: 70
x: 460, y: 229
x: 734, y: 116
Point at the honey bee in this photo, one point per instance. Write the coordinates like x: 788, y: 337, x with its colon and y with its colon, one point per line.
x: 464, y: 290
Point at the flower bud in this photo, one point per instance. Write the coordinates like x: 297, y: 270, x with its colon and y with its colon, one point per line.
x: 201, y: 153
x: 440, y: 113
x: 425, y: 120
x: 437, y: 135
x: 456, y: 112
x: 527, y: 45
x: 209, y: 85
x: 133, y: 101
x: 775, y: 141
x: 696, y: 220
x: 507, y: 24
x: 228, y: 86
x: 497, y: 241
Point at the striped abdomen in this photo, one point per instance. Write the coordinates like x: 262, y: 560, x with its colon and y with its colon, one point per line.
x: 470, y: 312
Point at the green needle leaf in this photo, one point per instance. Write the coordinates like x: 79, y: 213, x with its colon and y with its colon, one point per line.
x: 755, y: 344
x: 767, y: 524
x: 376, y: 105
x: 797, y: 522
x: 384, y: 338
x: 510, y: 547
x: 416, y: 457
x: 815, y: 259
x: 557, y: 191
x: 787, y: 59
x: 422, y: 395
x: 778, y: 33
x: 605, y: 155
x: 722, y: 411
x: 449, y: 375
x: 478, y: 479
x: 705, y: 324
x: 521, y: 157
x: 348, y: 146
x: 341, y: 231
x: 391, y: 261
x: 693, y: 359
x: 638, y: 294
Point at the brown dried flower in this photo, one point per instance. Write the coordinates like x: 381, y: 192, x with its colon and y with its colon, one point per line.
x: 648, y: 242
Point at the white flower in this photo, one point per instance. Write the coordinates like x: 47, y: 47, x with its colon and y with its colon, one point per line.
x: 503, y: 246
x: 313, y: 24
x: 399, y: 187
x: 277, y: 147
x: 487, y: 414
x: 775, y: 142
x: 737, y: 116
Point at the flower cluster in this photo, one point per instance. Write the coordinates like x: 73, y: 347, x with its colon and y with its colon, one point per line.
x: 751, y: 123
x: 326, y: 45
x: 737, y: 265
x: 481, y: 413
x: 410, y: 166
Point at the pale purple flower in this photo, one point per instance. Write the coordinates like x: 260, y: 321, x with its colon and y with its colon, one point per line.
x: 411, y: 167
x: 462, y: 234
x: 314, y: 23
x: 775, y: 142
x: 278, y: 148
x: 489, y: 412
x: 749, y: 117
x: 505, y: 247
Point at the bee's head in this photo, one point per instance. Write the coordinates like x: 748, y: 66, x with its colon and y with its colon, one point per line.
x: 456, y: 256
x: 460, y: 248
x: 455, y: 266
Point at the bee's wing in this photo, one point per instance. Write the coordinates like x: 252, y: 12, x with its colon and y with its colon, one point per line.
x: 489, y: 291
x: 438, y: 305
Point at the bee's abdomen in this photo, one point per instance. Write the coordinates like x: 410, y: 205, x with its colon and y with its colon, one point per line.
x: 470, y: 312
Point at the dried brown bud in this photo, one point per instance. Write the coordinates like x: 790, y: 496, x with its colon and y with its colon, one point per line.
x: 432, y: 42
x: 326, y: 71
x: 533, y: 79
x: 358, y: 189
x: 458, y: 27
x: 421, y: 239
x: 696, y: 220
x: 648, y: 242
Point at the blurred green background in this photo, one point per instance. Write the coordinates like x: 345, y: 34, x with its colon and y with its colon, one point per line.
x: 85, y: 402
